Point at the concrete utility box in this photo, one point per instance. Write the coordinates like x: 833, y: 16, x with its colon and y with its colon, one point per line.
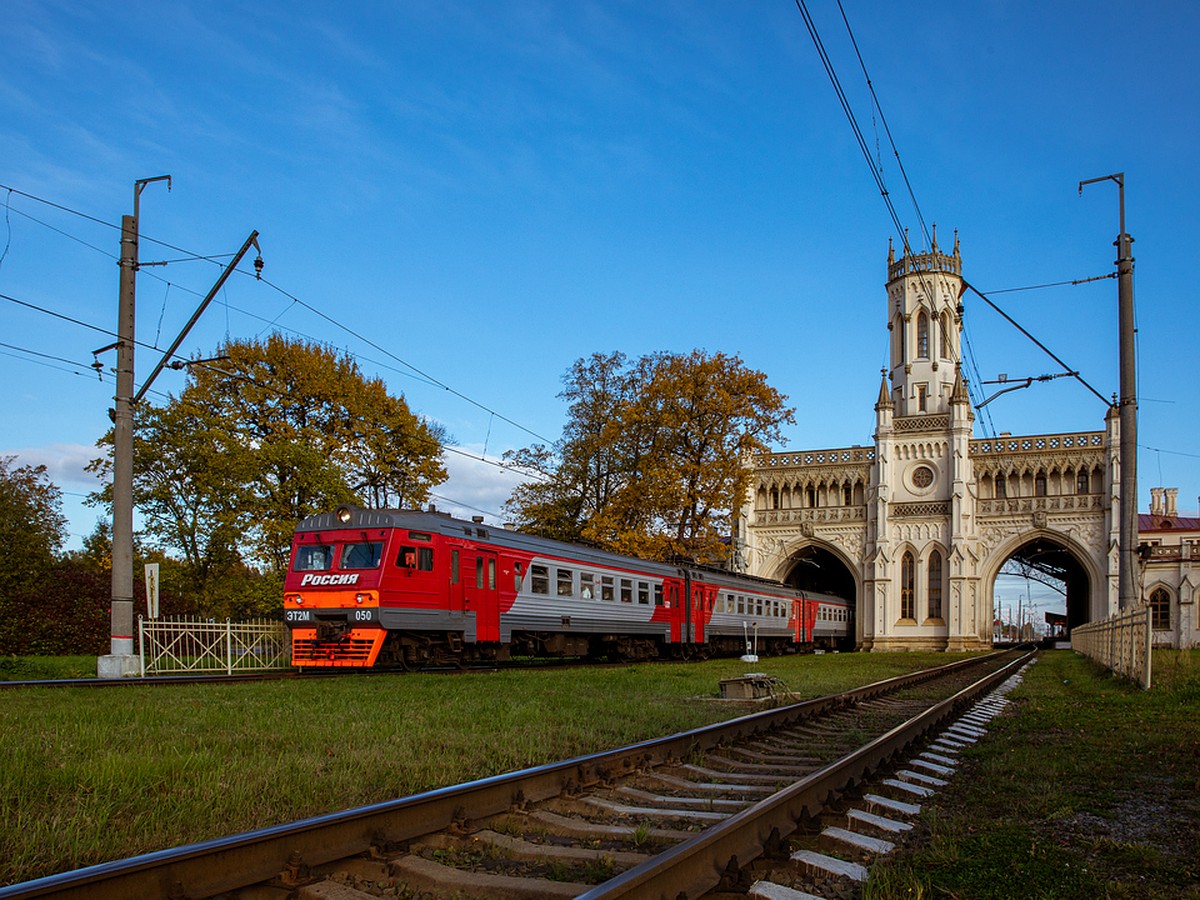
x: 752, y: 686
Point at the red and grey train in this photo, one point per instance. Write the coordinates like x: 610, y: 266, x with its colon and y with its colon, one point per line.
x: 408, y: 588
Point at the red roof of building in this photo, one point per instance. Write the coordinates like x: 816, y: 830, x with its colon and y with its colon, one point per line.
x: 1148, y: 522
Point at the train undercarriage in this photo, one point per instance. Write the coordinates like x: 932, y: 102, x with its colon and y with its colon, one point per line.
x: 413, y: 650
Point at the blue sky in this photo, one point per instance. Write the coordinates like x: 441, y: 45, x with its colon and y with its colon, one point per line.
x: 488, y: 192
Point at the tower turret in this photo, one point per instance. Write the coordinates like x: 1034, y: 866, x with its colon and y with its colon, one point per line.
x: 925, y: 322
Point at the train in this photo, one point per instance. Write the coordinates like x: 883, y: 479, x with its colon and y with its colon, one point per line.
x: 394, y: 588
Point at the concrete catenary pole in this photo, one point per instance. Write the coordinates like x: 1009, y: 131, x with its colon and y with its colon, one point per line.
x: 121, y: 660
x: 1127, y: 558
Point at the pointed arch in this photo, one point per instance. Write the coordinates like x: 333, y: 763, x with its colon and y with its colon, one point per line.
x: 908, y: 585
x: 1160, y: 610
x: 933, y: 585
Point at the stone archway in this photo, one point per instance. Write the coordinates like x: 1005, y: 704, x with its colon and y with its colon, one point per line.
x: 1046, y: 557
x: 816, y: 568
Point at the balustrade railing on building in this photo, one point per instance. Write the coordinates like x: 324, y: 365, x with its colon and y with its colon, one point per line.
x: 179, y: 646
x: 1121, y: 643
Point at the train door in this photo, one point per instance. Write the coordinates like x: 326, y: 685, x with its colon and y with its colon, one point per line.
x: 693, y: 615
x: 455, y: 597
x: 481, y: 593
x: 674, y: 610
x: 697, y: 610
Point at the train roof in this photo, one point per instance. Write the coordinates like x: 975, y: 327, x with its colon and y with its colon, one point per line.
x: 350, y: 517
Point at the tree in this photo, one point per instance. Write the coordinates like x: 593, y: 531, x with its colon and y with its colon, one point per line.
x: 269, y: 434
x: 576, y: 480
x: 652, y: 459
x: 47, y: 604
x: 32, y: 525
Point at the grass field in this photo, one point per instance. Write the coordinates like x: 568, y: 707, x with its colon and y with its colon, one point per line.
x: 1092, y: 789
x: 89, y: 775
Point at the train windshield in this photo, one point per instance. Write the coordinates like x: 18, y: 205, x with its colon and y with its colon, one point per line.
x: 362, y: 556
x: 313, y: 558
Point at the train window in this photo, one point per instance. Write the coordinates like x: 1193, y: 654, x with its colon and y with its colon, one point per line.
x: 566, y: 583
x: 626, y: 590
x: 606, y: 587
x: 479, y: 572
x: 587, y: 588
x: 419, y: 536
x: 758, y: 606
x: 491, y: 574
x: 313, y: 558
x: 539, y: 579
x: 643, y: 593
x: 658, y: 595
x: 741, y: 604
x: 425, y: 559
x: 362, y: 556
x: 517, y: 577
x: 454, y: 567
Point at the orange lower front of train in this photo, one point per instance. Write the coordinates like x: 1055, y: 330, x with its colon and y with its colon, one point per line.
x: 402, y: 588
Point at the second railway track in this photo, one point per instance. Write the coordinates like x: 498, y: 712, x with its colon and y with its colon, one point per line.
x: 673, y: 817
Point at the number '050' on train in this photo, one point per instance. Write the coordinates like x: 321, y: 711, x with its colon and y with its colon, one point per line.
x: 405, y: 588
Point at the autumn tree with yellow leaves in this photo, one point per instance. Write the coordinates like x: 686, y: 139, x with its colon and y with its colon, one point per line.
x: 653, y: 459
x: 260, y: 438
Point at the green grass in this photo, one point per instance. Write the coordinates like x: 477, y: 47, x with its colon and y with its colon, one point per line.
x: 38, y: 668
x: 92, y: 775
x: 1091, y: 790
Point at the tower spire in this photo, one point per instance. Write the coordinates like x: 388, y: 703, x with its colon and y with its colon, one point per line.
x: 885, y: 396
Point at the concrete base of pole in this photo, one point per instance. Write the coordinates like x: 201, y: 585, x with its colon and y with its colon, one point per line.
x: 119, y: 665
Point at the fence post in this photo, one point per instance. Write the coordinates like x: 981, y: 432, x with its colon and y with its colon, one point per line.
x: 1149, y: 650
x: 228, y: 647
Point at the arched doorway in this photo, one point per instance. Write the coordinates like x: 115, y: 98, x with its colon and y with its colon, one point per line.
x: 813, y: 568
x: 1041, y: 589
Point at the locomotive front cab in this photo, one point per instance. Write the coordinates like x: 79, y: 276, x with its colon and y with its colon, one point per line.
x: 331, y: 597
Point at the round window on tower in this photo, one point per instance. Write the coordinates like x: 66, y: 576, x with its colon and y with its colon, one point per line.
x: 922, y: 477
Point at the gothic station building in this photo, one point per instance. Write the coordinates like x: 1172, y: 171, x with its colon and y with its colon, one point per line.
x: 915, y: 527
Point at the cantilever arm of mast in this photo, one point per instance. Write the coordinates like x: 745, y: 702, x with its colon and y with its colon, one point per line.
x: 233, y: 263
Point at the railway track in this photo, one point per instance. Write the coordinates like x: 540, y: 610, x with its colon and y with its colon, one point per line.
x: 713, y: 809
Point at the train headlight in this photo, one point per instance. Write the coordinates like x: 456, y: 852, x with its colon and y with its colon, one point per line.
x: 344, y: 514
x: 295, y: 598
x: 360, y: 598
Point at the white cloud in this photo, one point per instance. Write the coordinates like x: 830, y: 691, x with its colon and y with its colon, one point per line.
x: 475, y: 487
x: 64, y: 463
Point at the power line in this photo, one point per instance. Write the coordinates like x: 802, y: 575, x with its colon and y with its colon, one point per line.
x: 445, y: 445
x: 1074, y: 373
x: 886, y: 129
x: 1050, y: 284
x: 214, y: 258
x: 432, y: 380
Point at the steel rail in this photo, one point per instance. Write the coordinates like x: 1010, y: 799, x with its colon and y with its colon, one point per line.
x: 696, y: 866
x: 225, y: 864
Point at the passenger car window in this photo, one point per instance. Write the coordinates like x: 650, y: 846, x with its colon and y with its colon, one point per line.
x: 566, y: 583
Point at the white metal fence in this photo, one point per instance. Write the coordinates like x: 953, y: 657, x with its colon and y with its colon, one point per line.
x: 1121, y: 643
x: 176, y: 646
